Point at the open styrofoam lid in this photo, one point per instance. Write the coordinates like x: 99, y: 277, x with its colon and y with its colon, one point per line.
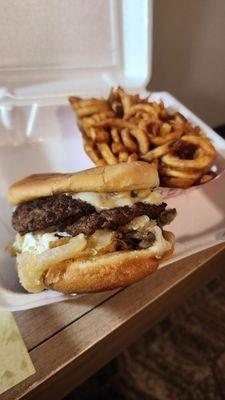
x: 73, y: 46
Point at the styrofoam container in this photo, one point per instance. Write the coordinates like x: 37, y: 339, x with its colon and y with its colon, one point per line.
x: 82, y: 48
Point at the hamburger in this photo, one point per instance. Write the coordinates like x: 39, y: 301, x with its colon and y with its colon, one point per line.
x: 89, y: 231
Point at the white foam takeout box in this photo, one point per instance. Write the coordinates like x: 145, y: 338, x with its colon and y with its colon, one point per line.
x: 50, y: 50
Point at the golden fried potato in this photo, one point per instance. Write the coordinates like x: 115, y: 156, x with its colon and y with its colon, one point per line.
x: 123, y: 156
x: 84, y: 108
x: 115, y: 135
x: 100, y: 162
x: 203, y: 157
x: 91, y: 151
x: 106, y: 153
x: 146, y: 108
x: 132, y: 157
x: 127, y: 140
x: 157, y: 152
x: 182, y: 173
x: 159, y: 140
x: 176, y: 182
x: 98, y: 135
x: 126, y: 128
x: 117, y: 148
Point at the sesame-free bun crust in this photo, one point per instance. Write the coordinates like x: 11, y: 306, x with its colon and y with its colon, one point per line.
x: 108, y: 271
x: 110, y: 178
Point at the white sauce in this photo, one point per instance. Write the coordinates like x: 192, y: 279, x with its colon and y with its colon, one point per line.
x: 161, y: 245
x: 103, y: 201
x: 35, y: 243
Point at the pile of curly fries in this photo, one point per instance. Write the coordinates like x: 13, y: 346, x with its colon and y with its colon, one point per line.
x: 125, y: 128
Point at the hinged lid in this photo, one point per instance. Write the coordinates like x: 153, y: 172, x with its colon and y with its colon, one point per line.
x: 54, y: 47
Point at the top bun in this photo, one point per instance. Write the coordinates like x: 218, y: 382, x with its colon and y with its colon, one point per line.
x: 110, y: 178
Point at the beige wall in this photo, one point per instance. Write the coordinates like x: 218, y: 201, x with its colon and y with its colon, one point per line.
x: 189, y: 54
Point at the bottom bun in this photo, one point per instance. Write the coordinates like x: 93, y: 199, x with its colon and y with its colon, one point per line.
x: 104, y: 272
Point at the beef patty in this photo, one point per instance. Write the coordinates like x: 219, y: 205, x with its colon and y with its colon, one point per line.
x: 76, y: 216
x: 112, y: 218
x: 48, y: 211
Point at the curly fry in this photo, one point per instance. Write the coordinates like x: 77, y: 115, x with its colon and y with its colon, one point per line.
x: 186, y: 174
x: 201, y: 162
x: 84, y: 108
x: 106, y: 153
x: 115, y: 135
x: 91, y: 151
x: 114, y: 122
x: 132, y: 157
x: 117, y: 148
x: 126, y: 99
x: 165, y: 129
x: 157, y: 152
x: 148, y: 108
x: 127, y: 140
x: 86, y: 122
x: 202, y: 142
x: 203, y: 158
x: 123, y: 156
x: 98, y: 135
x: 151, y: 125
x: 101, y: 161
x: 155, y: 162
x: 177, y: 182
x: 142, y: 139
x: 125, y: 128
x: 159, y: 140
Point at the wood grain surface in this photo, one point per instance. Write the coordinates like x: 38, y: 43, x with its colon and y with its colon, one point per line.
x: 70, y: 341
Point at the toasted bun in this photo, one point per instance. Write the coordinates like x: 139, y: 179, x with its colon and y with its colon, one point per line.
x: 103, y: 272
x: 109, y: 178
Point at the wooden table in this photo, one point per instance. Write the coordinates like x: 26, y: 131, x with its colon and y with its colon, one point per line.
x: 70, y: 341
